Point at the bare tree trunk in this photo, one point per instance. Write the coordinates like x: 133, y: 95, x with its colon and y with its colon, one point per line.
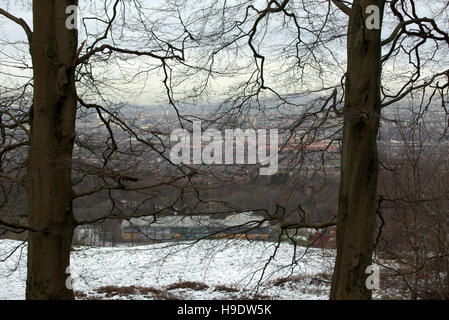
x: 53, y: 51
x: 358, y: 184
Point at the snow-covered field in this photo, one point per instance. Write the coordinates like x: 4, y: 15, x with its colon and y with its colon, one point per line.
x: 209, y: 269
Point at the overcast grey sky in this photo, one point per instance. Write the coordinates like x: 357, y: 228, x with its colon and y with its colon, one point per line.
x: 139, y: 80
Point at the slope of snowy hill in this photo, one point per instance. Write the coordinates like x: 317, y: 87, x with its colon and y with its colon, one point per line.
x: 209, y: 269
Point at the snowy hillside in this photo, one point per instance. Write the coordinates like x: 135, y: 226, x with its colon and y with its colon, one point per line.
x: 209, y: 269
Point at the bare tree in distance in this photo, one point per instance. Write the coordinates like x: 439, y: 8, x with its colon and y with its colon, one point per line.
x: 413, y: 179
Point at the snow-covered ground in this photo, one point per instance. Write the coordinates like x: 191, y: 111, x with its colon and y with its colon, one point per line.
x: 209, y: 269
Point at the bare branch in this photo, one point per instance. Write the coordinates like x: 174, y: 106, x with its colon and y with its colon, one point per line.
x: 20, y: 22
x: 343, y: 7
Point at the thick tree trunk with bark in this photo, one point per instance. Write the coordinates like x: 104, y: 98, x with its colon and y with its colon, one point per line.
x: 53, y: 51
x: 357, y: 194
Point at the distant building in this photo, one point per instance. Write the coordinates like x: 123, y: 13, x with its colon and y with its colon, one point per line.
x: 324, y: 238
x: 87, y: 235
x: 176, y: 227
